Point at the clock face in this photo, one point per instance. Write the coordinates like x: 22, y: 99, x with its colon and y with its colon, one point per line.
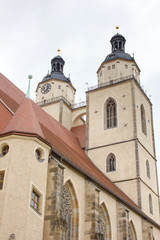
x: 45, y: 88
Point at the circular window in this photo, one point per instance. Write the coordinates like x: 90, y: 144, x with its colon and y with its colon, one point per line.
x: 4, y: 150
x: 39, y: 154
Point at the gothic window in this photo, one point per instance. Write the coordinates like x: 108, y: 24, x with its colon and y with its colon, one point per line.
x: 104, y: 226
x: 111, y: 163
x: 110, y: 114
x: 70, y: 212
x: 132, y: 232
x: 150, y: 204
x: 143, y: 120
x: 148, y: 168
x: 67, y: 212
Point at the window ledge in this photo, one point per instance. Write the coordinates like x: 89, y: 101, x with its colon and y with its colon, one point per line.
x: 40, y: 214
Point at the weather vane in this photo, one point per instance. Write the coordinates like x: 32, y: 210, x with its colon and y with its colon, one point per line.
x: 117, y: 28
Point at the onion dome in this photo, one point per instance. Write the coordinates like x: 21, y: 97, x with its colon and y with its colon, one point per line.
x: 118, y: 48
x: 57, y: 64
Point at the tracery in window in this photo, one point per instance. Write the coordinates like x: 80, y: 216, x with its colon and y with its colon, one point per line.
x: 143, y: 120
x: 111, y: 163
x: 150, y: 204
x: 104, y: 226
x: 110, y: 114
x: 70, y: 212
x: 132, y: 232
x: 147, y: 168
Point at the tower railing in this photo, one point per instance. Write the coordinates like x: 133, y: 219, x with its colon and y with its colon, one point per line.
x: 111, y: 82
x: 56, y: 99
x: 83, y: 103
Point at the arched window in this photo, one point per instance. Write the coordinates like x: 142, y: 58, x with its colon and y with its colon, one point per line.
x: 111, y: 163
x: 150, y: 204
x: 70, y: 212
x: 104, y: 224
x: 143, y: 120
x: 132, y: 232
x: 148, y: 168
x: 110, y: 114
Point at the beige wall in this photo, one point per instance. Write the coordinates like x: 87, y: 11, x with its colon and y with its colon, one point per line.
x: 66, y: 117
x: 145, y: 202
x: 143, y: 156
x: 53, y: 110
x: 97, y: 135
x: 130, y: 158
x: 140, y: 98
x: 58, y: 88
x: 22, y: 172
x: 117, y: 69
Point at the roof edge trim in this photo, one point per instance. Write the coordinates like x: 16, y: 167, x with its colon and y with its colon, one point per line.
x: 6, y: 106
x: 25, y: 134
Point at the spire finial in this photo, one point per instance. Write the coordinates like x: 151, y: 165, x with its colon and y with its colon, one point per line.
x: 28, y: 90
x: 58, y: 50
x: 117, y: 28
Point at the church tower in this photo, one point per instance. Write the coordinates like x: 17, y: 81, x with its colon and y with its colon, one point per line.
x: 120, y: 137
x: 56, y: 94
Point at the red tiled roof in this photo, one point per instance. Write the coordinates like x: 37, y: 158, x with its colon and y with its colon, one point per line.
x: 25, y: 120
x: 31, y: 119
x: 80, y: 133
x: 10, y: 94
x: 5, y: 116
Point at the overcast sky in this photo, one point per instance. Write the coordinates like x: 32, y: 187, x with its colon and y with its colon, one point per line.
x: 31, y: 32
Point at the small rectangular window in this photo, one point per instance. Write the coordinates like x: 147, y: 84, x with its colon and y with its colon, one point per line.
x: 36, y: 200
x: 126, y: 66
x: 109, y: 67
x: 101, y: 74
x: 113, y: 66
x: 1, y: 180
x: 59, y: 86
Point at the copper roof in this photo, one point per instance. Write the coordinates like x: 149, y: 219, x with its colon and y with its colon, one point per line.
x: 30, y: 119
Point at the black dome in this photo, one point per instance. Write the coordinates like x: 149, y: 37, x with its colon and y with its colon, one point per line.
x: 57, y: 64
x: 118, y: 48
x: 118, y: 54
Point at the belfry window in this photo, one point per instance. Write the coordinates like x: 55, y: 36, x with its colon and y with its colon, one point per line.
x: 150, y: 204
x: 110, y: 114
x: 143, y: 120
x: 110, y: 163
x: 148, y: 168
